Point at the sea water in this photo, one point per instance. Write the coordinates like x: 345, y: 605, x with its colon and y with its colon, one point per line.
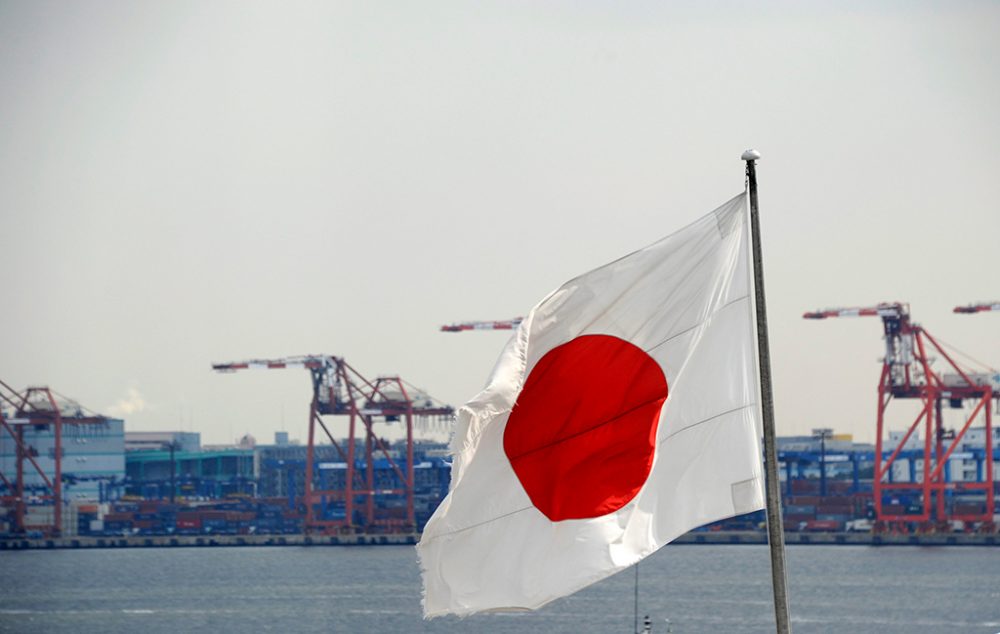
x: 697, y: 588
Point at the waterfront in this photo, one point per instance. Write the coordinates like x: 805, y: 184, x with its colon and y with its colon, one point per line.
x: 362, y: 539
x: 704, y: 588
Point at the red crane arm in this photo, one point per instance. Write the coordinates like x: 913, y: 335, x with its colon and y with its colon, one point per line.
x: 978, y: 308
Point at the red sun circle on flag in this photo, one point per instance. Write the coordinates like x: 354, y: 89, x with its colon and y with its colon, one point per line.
x: 582, y: 434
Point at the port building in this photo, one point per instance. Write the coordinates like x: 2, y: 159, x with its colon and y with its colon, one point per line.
x: 93, y: 457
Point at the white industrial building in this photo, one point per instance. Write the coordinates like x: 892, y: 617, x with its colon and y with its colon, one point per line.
x: 93, y: 455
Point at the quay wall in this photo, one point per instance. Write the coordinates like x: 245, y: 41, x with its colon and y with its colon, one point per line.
x: 715, y: 537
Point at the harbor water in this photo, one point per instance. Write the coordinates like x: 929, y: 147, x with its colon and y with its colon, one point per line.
x: 699, y: 588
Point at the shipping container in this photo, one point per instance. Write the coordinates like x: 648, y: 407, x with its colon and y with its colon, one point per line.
x: 834, y: 517
x: 821, y: 526
x: 834, y: 510
x: 805, y: 487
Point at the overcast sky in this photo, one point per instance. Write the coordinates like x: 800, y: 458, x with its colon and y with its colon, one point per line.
x: 183, y: 183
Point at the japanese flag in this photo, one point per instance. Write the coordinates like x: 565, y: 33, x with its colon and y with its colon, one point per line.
x: 622, y: 414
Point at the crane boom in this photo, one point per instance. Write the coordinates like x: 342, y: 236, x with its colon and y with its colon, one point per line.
x: 306, y: 361
x: 884, y: 309
x: 900, y: 343
x: 327, y: 373
x: 504, y: 324
x: 981, y: 307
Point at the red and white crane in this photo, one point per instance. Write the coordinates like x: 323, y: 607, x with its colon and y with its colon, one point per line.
x: 907, y: 373
x: 981, y: 307
x: 899, y: 336
x: 503, y: 324
x: 339, y: 389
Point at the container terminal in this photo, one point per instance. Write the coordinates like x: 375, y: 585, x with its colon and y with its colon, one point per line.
x: 69, y: 476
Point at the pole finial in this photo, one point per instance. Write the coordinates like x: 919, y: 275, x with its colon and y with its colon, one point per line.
x: 750, y: 155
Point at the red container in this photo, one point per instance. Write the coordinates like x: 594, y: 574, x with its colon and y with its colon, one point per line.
x: 823, y: 526
x: 805, y: 487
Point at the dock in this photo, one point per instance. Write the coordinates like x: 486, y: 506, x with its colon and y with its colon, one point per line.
x: 404, y: 539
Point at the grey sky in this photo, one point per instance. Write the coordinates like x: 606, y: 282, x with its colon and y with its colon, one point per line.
x: 187, y: 183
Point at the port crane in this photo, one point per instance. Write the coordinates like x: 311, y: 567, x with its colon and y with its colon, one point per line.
x: 907, y: 374
x: 977, y: 308
x: 38, y: 408
x: 503, y: 324
x: 340, y: 390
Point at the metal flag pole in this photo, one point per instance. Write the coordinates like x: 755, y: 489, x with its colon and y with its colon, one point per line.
x: 635, y: 622
x: 775, y: 529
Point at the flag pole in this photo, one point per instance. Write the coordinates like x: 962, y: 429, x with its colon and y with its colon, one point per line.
x: 775, y: 528
x: 635, y: 622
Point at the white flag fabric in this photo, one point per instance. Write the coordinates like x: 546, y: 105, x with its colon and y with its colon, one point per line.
x: 621, y: 414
